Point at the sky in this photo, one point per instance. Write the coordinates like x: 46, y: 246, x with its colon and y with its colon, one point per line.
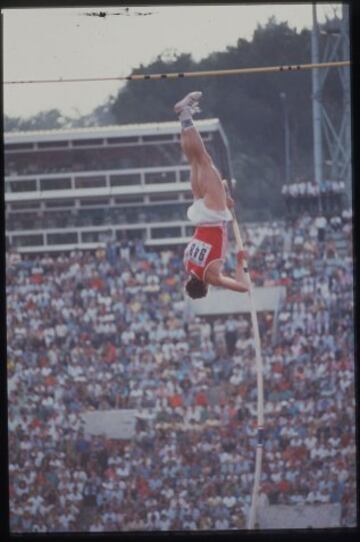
x: 66, y: 43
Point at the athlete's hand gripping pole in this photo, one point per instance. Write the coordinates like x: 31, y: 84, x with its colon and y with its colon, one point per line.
x: 259, y: 372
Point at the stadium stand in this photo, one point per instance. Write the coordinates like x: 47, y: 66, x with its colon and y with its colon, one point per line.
x: 75, y: 188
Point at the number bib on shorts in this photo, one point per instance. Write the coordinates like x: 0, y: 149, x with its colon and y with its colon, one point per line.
x: 207, y: 245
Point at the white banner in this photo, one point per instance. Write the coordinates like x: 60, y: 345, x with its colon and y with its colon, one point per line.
x: 115, y: 424
x: 314, y: 516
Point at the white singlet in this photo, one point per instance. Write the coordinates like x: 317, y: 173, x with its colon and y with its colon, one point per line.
x: 198, y: 213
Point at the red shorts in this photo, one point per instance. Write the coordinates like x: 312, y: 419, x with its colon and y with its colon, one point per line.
x: 207, y: 245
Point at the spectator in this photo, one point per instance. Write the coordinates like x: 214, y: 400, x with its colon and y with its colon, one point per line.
x: 89, y: 344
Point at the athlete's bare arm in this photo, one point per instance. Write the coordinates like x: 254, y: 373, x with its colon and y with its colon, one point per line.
x: 215, y: 277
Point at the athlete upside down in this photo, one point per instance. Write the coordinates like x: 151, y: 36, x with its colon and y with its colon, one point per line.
x: 205, y: 254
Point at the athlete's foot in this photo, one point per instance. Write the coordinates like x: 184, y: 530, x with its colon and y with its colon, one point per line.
x: 190, y: 101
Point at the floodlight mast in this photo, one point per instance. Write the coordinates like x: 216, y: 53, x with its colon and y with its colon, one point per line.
x: 332, y: 137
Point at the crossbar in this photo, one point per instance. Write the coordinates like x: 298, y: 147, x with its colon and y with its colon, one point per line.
x: 179, y: 75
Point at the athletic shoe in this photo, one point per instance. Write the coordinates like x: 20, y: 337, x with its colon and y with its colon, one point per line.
x: 190, y: 101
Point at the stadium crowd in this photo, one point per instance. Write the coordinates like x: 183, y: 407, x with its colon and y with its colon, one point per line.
x: 304, y: 196
x: 110, y: 329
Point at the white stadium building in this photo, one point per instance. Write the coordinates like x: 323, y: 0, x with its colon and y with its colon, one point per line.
x: 78, y: 188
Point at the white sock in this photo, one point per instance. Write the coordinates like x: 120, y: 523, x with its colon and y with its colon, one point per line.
x: 186, y: 119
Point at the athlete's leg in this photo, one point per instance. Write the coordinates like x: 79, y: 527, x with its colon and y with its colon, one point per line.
x: 193, y: 146
x: 195, y: 185
x: 205, y: 178
x: 194, y: 150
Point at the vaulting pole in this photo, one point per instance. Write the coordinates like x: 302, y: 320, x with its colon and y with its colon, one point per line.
x: 204, y: 73
x: 259, y: 378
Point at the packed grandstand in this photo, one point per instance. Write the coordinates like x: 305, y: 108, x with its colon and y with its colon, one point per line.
x: 96, y: 330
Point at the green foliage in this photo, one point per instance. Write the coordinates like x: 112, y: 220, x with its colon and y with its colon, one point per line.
x: 101, y: 116
x: 153, y: 101
x: 258, y: 187
x: 45, y: 120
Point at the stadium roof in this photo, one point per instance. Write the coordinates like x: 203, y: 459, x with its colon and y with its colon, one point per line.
x: 125, y: 130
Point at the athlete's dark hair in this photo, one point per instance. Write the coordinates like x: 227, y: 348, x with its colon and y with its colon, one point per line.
x: 196, y: 288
